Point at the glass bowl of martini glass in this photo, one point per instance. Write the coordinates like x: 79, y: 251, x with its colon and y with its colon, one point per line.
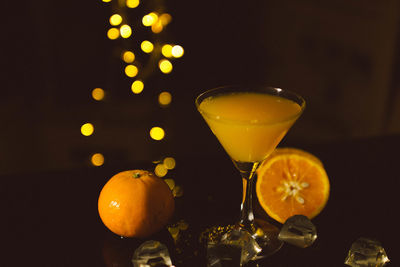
x: 249, y: 122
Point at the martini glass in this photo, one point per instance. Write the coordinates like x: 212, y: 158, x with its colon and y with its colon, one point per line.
x: 249, y: 122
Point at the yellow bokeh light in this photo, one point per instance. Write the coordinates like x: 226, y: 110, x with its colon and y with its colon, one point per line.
x: 157, y: 133
x: 131, y: 71
x: 170, y: 183
x: 125, y: 31
x: 137, y: 87
x: 157, y: 27
x: 165, y: 66
x: 113, y: 33
x: 98, y: 94
x: 177, y: 191
x: 147, y: 46
x: 160, y: 170
x: 149, y: 19
x: 166, y: 50
x: 165, y: 19
x: 164, y: 98
x: 115, y: 19
x: 169, y: 163
x: 128, y: 56
x: 106, y: 1
x: 97, y: 159
x: 132, y: 3
x: 87, y: 129
x: 177, y: 51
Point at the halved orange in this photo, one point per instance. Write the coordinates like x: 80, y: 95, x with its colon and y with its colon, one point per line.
x: 292, y: 182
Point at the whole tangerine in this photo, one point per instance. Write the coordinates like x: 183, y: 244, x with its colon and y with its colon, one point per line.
x: 135, y: 203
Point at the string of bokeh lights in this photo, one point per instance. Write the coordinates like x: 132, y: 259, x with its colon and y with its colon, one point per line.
x: 160, y: 53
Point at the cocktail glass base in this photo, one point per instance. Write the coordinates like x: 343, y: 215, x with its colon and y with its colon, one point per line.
x: 255, y: 242
x: 266, y: 236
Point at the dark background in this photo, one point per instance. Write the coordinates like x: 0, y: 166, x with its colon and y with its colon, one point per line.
x: 342, y: 56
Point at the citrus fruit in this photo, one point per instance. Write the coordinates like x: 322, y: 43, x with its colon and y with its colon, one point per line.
x: 292, y: 182
x: 135, y: 203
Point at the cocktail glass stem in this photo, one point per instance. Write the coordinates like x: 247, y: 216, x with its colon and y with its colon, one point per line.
x: 247, y: 171
x: 246, y: 208
x: 263, y: 232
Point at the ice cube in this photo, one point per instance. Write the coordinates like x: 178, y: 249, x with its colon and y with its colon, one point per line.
x: 150, y: 254
x: 242, y: 238
x: 298, y: 230
x: 365, y: 252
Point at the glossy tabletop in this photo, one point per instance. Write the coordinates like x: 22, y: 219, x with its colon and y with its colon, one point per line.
x: 51, y: 219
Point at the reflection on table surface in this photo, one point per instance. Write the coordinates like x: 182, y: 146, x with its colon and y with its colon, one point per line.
x: 51, y: 218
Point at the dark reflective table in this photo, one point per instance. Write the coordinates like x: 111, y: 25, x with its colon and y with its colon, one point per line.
x: 51, y: 219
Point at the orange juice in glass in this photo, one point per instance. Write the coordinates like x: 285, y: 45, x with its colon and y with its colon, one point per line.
x: 249, y: 125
